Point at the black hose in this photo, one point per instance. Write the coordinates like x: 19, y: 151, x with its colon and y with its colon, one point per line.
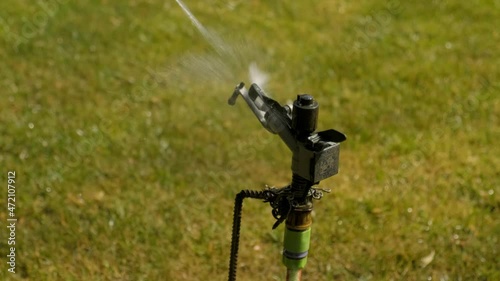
x: 235, y: 239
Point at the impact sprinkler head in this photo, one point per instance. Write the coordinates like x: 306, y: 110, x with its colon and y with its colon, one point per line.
x: 315, y: 155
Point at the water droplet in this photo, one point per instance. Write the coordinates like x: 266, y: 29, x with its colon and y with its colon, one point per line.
x: 143, y: 37
x: 341, y: 9
x: 231, y: 5
x: 36, y: 108
x: 444, y: 278
x: 31, y: 125
x: 164, y: 144
x: 23, y: 155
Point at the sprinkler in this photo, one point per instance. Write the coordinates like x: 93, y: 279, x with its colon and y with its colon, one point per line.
x: 315, y: 157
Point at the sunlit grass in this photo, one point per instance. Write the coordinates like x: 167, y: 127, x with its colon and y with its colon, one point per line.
x: 128, y: 163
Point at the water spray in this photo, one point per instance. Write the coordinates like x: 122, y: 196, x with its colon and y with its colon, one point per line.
x: 315, y: 157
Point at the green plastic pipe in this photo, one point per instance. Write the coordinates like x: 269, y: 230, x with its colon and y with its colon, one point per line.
x: 296, y: 247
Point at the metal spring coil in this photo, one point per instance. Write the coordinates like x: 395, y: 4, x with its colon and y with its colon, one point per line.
x: 235, y: 239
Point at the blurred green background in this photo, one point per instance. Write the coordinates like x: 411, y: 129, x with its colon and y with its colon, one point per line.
x: 127, y: 157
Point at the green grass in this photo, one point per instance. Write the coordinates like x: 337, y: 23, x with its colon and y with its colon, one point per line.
x: 125, y: 173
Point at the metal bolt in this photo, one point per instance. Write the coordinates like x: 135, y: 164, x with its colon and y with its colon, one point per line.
x: 305, y: 99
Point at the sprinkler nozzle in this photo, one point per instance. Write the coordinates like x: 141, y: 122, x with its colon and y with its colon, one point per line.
x: 234, y: 96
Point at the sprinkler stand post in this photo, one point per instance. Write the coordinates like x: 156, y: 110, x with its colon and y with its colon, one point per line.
x: 296, y: 241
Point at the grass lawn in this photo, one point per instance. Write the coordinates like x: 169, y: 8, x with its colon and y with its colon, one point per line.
x: 127, y: 156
